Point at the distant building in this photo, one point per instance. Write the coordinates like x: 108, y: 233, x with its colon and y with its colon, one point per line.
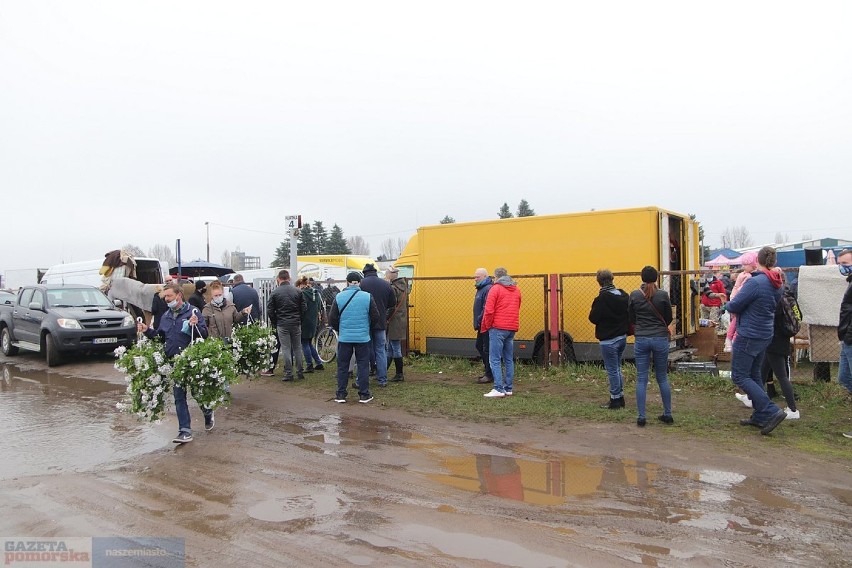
x: 241, y: 261
x: 823, y: 243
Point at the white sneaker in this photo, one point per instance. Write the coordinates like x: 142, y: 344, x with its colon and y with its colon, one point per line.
x: 494, y: 393
x: 791, y: 415
x: 508, y: 393
x: 743, y: 398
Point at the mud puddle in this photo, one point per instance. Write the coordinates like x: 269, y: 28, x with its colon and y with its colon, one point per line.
x: 53, y: 423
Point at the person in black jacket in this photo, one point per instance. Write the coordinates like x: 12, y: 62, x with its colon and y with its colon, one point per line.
x: 383, y: 294
x: 286, y: 307
x: 650, y: 310
x: 844, y: 330
x: 244, y: 296
x: 483, y: 283
x: 197, y: 299
x: 609, y: 314
x: 777, y: 361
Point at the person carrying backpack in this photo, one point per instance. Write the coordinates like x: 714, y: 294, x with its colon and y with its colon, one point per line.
x: 777, y: 357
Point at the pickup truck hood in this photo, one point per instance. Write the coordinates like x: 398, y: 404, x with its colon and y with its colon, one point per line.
x: 87, y: 313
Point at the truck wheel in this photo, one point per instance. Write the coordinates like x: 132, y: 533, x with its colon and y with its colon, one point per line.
x: 568, y: 356
x: 6, y: 342
x: 51, y: 352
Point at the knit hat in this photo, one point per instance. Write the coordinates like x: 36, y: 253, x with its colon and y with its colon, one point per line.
x: 392, y: 271
x: 353, y: 277
x: 369, y: 268
x: 649, y: 274
x: 749, y: 258
x: 200, y: 286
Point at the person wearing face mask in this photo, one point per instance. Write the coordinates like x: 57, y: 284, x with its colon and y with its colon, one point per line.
x: 220, y: 314
x: 177, y: 328
x: 844, y: 330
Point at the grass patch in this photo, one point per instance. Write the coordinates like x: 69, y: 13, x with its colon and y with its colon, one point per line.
x: 703, y: 405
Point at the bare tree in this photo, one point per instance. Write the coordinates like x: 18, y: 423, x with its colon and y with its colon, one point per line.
x: 133, y: 250
x: 358, y: 245
x: 226, y: 258
x: 447, y: 220
x: 162, y: 252
x: 807, y: 237
x: 392, y: 248
x: 781, y: 238
x: 736, y: 237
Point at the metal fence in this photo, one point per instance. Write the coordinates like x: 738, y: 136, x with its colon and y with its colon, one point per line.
x: 554, y: 324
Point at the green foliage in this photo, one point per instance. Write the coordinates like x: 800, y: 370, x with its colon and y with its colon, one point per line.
x: 505, y: 212
x: 204, y: 369
x: 524, y: 209
x: 148, y: 379
x: 282, y: 255
x: 253, y: 348
x: 336, y: 243
x: 320, y: 237
x: 307, y: 242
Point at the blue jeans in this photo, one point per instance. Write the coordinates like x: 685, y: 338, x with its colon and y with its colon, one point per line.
x: 310, y: 352
x: 377, y: 347
x: 658, y: 348
x: 395, y: 348
x: 612, y: 351
x: 182, y: 409
x: 362, y: 355
x: 501, y: 346
x: 746, y: 360
x: 844, y: 376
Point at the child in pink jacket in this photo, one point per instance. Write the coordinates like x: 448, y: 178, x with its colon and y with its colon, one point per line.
x: 749, y: 262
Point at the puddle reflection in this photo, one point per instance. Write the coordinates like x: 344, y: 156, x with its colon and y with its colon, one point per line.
x: 53, y: 423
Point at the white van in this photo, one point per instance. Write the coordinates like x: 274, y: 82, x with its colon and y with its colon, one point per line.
x: 148, y: 271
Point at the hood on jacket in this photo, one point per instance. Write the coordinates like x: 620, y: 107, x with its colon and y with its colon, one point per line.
x: 505, y: 281
x: 775, y: 277
x: 484, y: 282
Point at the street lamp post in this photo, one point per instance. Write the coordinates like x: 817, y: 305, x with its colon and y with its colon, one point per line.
x: 207, y: 224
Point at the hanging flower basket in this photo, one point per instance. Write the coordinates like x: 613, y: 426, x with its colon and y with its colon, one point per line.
x: 148, y: 377
x: 253, y: 346
x: 205, y: 369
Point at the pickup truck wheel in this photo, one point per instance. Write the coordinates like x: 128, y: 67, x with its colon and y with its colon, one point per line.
x: 6, y: 343
x: 51, y: 352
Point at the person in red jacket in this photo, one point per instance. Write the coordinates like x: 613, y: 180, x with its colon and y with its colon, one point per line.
x: 712, y: 298
x: 500, y: 320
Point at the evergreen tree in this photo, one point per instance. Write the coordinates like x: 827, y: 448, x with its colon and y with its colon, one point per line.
x: 524, y: 209
x: 447, y: 220
x: 336, y: 243
x: 320, y: 237
x: 505, y: 212
x: 307, y: 240
x: 282, y: 255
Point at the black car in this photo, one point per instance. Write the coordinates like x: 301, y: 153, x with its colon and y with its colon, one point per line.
x: 57, y: 320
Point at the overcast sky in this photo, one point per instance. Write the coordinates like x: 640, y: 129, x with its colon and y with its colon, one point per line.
x: 136, y: 122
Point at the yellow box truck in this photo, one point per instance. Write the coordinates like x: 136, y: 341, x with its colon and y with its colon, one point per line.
x: 441, y: 259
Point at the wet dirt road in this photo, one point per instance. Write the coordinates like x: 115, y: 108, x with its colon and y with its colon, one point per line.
x: 286, y: 480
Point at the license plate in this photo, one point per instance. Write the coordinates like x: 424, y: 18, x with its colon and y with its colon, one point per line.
x: 105, y: 340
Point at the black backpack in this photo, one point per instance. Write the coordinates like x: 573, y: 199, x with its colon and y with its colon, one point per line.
x: 789, y: 320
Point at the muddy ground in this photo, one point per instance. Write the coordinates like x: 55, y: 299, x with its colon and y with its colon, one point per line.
x: 287, y: 479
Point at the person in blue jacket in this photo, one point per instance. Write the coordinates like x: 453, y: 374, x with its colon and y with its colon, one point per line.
x: 176, y: 328
x: 353, y: 314
x: 754, y: 307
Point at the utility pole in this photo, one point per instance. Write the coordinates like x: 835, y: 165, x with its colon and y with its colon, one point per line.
x: 207, y: 224
x: 294, y: 223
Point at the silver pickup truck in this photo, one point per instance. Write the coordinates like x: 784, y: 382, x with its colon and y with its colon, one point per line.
x: 60, y: 319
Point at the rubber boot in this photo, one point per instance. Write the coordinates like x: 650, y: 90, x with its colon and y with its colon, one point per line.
x: 398, y: 377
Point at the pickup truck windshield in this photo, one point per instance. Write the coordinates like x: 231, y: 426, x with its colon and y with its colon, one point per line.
x: 77, y: 298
